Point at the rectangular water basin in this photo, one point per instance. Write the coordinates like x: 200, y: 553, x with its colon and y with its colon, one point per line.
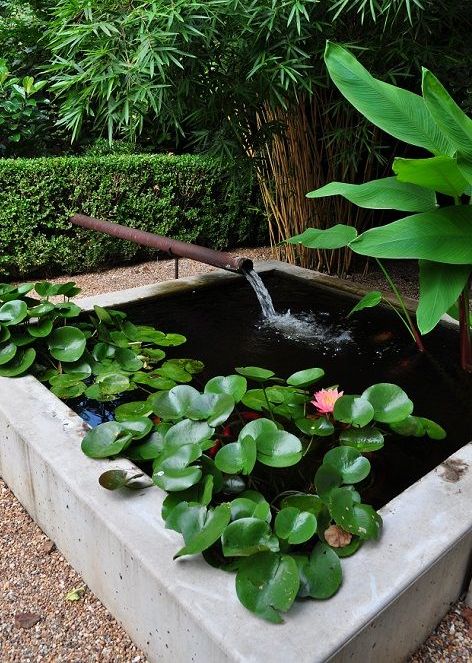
x: 394, y: 591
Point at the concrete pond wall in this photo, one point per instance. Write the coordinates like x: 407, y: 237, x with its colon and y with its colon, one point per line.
x: 394, y: 591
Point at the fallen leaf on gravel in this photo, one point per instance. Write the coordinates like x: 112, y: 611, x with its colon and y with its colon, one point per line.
x: 48, y: 547
x: 467, y: 614
x: 26, y: 619
x: 76, y: 593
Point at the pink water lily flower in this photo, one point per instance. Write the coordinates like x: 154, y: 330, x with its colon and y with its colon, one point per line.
x: 325, y: 399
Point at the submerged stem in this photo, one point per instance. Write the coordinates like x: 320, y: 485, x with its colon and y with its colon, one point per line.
x: 464, y: 329
x: 406, y: 317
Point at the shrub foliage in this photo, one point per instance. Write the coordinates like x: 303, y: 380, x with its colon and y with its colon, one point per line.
x: 185, y: 197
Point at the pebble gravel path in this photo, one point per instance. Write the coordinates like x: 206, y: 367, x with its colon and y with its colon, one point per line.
x: 39, y: 622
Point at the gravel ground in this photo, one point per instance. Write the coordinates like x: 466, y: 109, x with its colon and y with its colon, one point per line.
x: 38, y: 623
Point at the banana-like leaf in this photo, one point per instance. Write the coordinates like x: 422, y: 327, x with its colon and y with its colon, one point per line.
x: 386, y: 193
x: 440, y: 287
x: 400, y: 113
x: 449, y: 117
x: 438, y: 173
x: 464, y: 163
x: 335, y: 237
x: 444, y: 235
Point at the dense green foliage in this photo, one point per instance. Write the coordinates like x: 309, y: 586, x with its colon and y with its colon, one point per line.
x: 436, y: 188
x: 223, y: 453
x: 186, y: 197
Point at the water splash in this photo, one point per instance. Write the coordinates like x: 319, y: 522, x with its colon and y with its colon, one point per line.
x: 301, y: 327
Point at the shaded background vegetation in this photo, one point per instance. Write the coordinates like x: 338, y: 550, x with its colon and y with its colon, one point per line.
x: 241, y: 81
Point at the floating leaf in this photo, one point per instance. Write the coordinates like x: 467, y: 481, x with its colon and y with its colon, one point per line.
x: 7, y: 352
x: 302, y: 379
x: 321, y: 574
x: 352, y: 466
x: 267, y: 584
x: 237, y: 457
x: 294, y: 525
x: 389, y: 401
x: 255, y: 373
x: 67, y: 343
x: 244, y: 507
x: 210, y: 531
x: 21, y: 362
x: 105, y: 440
x: 320, y: 426
x: 234, y: 385
x: 13, y: 312
x: 114, y: 479
x: 353, y: 410
x: 359, y: 519
x: 247, y: 536
x: 362, y: 439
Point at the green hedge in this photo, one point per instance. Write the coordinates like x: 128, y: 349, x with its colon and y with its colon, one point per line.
x: 186, y: 197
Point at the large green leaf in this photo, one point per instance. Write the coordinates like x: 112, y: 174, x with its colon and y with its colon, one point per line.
x: 440, y: 287
x: 444, y: 235
x: 67, y: 343
x: 398, y: 112
x: 267, y: 584
x: 335, y: 237
x: 386, y: 193
x: 437, y: 174
x: 448, y: 116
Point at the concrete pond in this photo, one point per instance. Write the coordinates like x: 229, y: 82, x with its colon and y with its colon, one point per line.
x: 394, y: 590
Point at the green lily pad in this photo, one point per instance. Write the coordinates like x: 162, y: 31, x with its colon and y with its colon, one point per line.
x: 67, y: 343
x: 390, y: 402
x: 20, y: 363
x: 247, y: 536
x: 305, y: 378
x: 13, y: 312
x: 267, y: 583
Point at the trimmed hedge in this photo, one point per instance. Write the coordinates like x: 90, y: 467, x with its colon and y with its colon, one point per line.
x: 185, y: 197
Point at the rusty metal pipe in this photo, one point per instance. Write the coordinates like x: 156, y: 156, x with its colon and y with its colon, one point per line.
x: 173, y: 247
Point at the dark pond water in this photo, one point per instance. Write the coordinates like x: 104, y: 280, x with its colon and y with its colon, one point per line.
x: 225, y: 329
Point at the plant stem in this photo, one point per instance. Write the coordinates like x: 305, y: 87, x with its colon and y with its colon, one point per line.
x: 464, y: 329
x: 268, y: 404
x: 407, y: 319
